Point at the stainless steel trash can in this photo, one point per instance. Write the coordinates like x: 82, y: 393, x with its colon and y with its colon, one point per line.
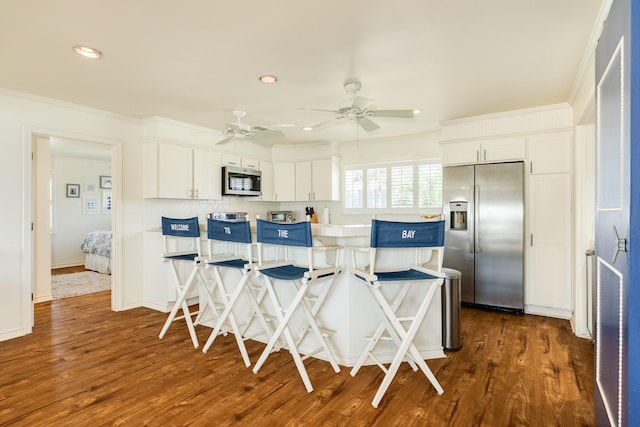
x: 451, y: 326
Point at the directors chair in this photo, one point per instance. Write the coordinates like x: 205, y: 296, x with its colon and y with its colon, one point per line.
x: 418, y: 237
x: 286, y: 237
x: 181, y: 242
x: 233, y: 235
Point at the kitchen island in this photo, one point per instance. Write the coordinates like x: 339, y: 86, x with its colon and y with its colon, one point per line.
x: 348, y: 309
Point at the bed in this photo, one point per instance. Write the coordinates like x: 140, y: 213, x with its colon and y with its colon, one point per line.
x: 97, y: 249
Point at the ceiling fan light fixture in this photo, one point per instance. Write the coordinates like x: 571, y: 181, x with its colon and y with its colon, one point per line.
x: 87, y: 51
x: 268, y: 78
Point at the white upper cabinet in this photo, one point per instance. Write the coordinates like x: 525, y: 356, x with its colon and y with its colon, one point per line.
x: 250, y: 163
x: 173, y: 171
x: 231, y: 160
x: 207, y: 171
x: 266, y: 178
x: 284, y: 179
x: 550, y: 153
x: 239, y: 161
x: 485, y: 151
x: 318, y: 180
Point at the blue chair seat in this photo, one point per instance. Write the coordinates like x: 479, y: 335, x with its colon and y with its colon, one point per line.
x: 231, y: 263
x: 411, y: 274
x: 182, y: 257
x: 285, y: 272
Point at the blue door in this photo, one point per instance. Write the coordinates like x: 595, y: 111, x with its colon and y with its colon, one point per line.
x: 617, y: 219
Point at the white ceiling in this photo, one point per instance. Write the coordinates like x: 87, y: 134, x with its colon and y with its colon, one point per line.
x: 196, y: 61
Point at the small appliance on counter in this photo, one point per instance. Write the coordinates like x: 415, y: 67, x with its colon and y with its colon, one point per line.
x: 280, y: 216
x: 228, y: 216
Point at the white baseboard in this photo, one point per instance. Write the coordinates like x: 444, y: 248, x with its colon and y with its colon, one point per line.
x: 548, y: 311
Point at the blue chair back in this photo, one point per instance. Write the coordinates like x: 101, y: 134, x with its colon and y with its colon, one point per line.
x: 175, y: 227
x: 393, y: 234
x: 294, y: 234
x: 239, y: 232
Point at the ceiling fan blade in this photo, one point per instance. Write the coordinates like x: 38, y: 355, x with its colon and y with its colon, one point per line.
x: 361, y: 103
x: 261, y: 141
x: 400, y: 114
x: 318, y: 110
x: 367, y: 124
x: 269, y: 133
x: 225, y: 140
x: 324, y: 124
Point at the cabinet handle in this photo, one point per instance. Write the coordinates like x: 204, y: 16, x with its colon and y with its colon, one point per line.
x: 477, y: 155
x: 484, y: 154
x: 309, y: 197
x: 531, y: 166
x: 476, y: 220
x: 196, y: 196
x: 531, y: 240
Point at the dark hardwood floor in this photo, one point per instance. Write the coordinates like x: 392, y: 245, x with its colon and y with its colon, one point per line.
x: 85, y: 365
x: 68, y: 270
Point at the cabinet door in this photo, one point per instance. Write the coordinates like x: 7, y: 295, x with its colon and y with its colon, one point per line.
x: 175, y: 171
x: 303, y: 186
x: 231, y: 160
x: 549, y: 284
x: 284, y: 176
x: 322, y: 180
x: 250, y: 163
x: 550, y: 153
x: 267, y: 186
x: 207, y: 183
x: 503, y: 149
x: 460, y: 153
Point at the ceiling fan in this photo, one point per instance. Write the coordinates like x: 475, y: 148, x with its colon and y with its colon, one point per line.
x: 257, y: 134
x: 356, y: 109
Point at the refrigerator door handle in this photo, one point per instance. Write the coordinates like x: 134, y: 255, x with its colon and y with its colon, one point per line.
x: 475, y: 219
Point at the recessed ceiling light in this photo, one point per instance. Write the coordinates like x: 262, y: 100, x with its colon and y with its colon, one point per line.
x: 87, y: 51
x: 417, y: 111
x: 268, y: 78
x: 307, y: 128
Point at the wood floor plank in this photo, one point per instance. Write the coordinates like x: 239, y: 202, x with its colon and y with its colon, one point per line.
x: 86, y: 365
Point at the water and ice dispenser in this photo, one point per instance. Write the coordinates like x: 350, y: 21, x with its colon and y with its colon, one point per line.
x: 458, y: 219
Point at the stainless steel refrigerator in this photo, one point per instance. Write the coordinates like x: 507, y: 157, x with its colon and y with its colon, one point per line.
x: 484, y: 237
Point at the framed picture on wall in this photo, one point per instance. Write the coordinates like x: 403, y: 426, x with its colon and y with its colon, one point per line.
x: 106, y: 201
x: 105, y: 181
x: 90, y: 205
x: 90, y: 187
x: 73, y: 190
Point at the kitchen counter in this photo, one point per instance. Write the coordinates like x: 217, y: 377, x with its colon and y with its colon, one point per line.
x: 348, y: 309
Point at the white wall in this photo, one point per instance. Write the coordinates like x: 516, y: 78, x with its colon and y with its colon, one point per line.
x: 22, y: 117
x: 71, y: 223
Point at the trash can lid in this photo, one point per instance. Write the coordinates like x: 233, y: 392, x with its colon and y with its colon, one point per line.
x: 450, y: 273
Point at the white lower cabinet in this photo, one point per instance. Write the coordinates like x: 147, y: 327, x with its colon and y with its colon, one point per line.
x: 549, y: 277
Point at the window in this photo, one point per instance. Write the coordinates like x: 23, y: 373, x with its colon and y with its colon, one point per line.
x: 405, y: 185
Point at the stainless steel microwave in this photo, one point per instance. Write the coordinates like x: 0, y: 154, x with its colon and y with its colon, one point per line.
x: 241, y: 182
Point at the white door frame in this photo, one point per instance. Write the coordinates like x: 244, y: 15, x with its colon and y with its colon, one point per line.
x: 29, y: 135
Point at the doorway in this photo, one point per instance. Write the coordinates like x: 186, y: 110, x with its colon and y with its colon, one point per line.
x: 90, y: 199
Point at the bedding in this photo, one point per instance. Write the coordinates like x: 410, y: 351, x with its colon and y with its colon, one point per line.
x: 97, y: 249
